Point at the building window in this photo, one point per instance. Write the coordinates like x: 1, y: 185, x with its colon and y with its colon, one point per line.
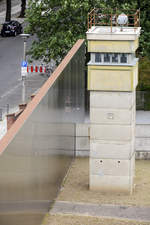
x: 115, y: 58
x: 106, y: 57
x: 112, y: 58
x: 123, y: 58
x: 98, y: 57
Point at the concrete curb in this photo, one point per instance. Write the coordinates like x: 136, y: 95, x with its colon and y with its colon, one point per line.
x: 96, y: 210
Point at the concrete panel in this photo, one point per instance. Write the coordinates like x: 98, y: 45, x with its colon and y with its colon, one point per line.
x: 82, y: 143
x: 113, y: 46
x: 112, y: 100
x: 82, y: 153
x: 112, y: 167
x: 112, y: 132
x: 111, y: 150
x: 107, y: 79
x: 111, y: 116
x: 53, y: 144
x: 44, y: 129
x: 142, y: 144
x: 143, y: 130
x: 111, y: 183
x: 82, y: 130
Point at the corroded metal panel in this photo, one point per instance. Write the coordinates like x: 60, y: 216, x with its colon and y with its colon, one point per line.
x: 34, y: 163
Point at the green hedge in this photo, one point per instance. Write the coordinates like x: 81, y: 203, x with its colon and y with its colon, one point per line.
x: 144, y: 74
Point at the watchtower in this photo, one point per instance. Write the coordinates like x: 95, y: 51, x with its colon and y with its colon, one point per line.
x: 112, y: 79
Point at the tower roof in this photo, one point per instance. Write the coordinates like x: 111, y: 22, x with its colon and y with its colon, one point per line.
x: 114, y: 33
x: 114, y: 26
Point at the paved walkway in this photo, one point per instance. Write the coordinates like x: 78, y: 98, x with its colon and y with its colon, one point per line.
x: 15, y: 10
x: 96, y: 210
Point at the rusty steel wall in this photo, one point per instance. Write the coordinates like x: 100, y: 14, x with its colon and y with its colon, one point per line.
x: 38, y: 149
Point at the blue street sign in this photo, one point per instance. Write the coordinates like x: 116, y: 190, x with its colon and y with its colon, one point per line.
x: 24, y: 64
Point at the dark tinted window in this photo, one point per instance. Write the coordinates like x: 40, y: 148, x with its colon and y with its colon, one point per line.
x: 123, y: 58
x: 98, y: 57
x: 106, y: 57
x: 115, y: 58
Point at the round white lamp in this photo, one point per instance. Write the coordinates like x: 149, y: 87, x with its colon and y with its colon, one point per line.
x: 122, y: 20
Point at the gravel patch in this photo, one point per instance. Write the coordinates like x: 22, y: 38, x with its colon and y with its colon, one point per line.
x: 86, y: 220
x: 76, y: 186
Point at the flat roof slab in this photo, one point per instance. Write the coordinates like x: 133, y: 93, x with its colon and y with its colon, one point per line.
x: 114, y: 33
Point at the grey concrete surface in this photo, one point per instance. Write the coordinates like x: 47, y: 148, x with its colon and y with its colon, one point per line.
x: 13, y: 3
x: 24, y: 206
x: 112, y: 211
x: 142, y: 117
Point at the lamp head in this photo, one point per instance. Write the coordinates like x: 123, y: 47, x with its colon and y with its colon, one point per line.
x: 122, y: 19
x: 25, y: 36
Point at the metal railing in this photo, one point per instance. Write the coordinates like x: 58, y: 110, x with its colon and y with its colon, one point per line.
x: 97, y: 17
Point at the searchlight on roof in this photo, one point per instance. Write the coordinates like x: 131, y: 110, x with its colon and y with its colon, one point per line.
x: 122, y: 20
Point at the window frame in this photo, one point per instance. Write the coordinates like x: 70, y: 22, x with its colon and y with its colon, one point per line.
x: 102, y: 55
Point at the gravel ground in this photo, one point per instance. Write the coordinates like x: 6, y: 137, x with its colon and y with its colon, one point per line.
x: 76, y: 186
x: 86, y: 220
x: 3, y: 4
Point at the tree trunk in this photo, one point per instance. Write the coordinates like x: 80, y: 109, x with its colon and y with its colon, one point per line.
x: 8, y: 11
x: 23, y: 8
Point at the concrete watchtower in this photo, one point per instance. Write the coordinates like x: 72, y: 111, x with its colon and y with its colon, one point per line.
x: 112, y: 80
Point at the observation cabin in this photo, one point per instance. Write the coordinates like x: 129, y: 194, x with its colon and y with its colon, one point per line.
x: 112, y: 42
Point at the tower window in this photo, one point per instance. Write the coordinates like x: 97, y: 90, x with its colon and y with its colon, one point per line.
x: 98, y: 57
x: 115, y: 58
x: 123, y: 58
x: 106, y: 57
x: 112, y: 58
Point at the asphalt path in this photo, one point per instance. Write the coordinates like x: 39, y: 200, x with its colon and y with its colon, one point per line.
x: 11, y: 51
x: 11, y: 56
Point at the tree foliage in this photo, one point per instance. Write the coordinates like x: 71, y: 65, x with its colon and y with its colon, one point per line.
x: 59, y: 23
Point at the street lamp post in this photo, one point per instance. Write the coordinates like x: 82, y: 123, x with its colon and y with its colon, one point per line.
x: 24, y: 72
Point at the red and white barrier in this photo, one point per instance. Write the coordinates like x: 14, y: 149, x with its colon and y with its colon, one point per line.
x: 36, y: 69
